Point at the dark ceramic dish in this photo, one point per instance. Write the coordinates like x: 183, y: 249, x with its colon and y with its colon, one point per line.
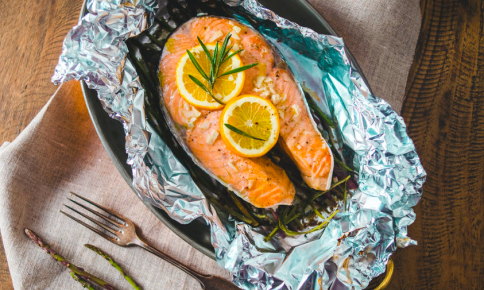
x: 111, y: 132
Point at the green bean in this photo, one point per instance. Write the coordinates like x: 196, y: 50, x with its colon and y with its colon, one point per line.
x: 242, y: 209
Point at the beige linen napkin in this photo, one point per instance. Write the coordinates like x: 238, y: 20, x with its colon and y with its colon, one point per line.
x: 61, y: 152
x: 382, y: 36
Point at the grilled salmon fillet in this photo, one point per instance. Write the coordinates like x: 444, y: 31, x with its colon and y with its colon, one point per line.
x: 257, y: 180
x: 299, y: 136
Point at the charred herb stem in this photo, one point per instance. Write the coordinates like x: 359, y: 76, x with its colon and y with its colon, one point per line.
x: 320, y: 226
x: 230, y: 211
x: 242, y: 209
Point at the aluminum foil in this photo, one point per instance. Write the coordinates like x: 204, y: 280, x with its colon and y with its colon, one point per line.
x: 357, y: 243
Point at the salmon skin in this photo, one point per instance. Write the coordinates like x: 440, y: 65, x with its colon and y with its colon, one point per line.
x: 256, y: 180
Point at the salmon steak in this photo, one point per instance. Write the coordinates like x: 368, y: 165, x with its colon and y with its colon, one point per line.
x: 257, y: 180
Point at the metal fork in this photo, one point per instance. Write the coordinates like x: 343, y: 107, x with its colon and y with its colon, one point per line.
x: 124, y: 233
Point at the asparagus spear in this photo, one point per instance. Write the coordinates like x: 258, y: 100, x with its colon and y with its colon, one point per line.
x: 83, y: 282
x: 164, y: 24
x: 114, y: 264
x: 79, y: 272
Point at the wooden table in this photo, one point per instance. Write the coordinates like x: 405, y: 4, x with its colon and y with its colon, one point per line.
x: 443, y: 108
x: 30, y: 45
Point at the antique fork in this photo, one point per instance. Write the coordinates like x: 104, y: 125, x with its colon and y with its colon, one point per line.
x: 124, y: 233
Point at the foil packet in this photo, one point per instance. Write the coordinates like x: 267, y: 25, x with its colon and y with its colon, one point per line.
x: 357, y: 243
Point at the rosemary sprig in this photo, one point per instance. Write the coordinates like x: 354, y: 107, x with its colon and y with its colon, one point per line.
x: 239, y: 69
x: 240, y: 132
x: 200, y: 84
x: 216, y: 60
x: 197, y: 65
x: 289, y: 215
x: 345, y: 198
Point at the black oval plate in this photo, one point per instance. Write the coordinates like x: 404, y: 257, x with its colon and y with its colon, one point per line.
x: 111, y: 131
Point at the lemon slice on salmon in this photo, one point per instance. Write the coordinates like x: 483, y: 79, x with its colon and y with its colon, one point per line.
x: 225, y: 88
x: 249, y: 126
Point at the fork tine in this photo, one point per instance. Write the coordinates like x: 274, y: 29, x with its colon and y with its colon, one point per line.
x: 104, y: 235
x: 114, y: 232
x: 99, y: 206
x: 111, y: 221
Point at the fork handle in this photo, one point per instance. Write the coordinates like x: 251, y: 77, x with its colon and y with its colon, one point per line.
x: 198, y: 276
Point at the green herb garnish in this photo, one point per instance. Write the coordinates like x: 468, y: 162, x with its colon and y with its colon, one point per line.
x: 345, y: 198
x: 216, y: 61
x: 320, y: 226
x: 242, y: 208
x: 289, y: 215
x: 240, y: 132
x: 319, y: 113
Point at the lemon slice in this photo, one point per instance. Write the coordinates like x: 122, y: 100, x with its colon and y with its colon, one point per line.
x: 225, y: 88
x: 254, y: 116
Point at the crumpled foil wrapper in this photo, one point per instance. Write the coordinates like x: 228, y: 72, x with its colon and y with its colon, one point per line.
x: 357, y: 243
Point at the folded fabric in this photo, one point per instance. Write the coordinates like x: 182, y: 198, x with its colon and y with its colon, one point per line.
x: 382, y: 36
x: 61, y: 152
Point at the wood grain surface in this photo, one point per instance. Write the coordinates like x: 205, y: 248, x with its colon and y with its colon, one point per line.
x: 443, y: 108
x: 30, y: 44
x: 444, y: 112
